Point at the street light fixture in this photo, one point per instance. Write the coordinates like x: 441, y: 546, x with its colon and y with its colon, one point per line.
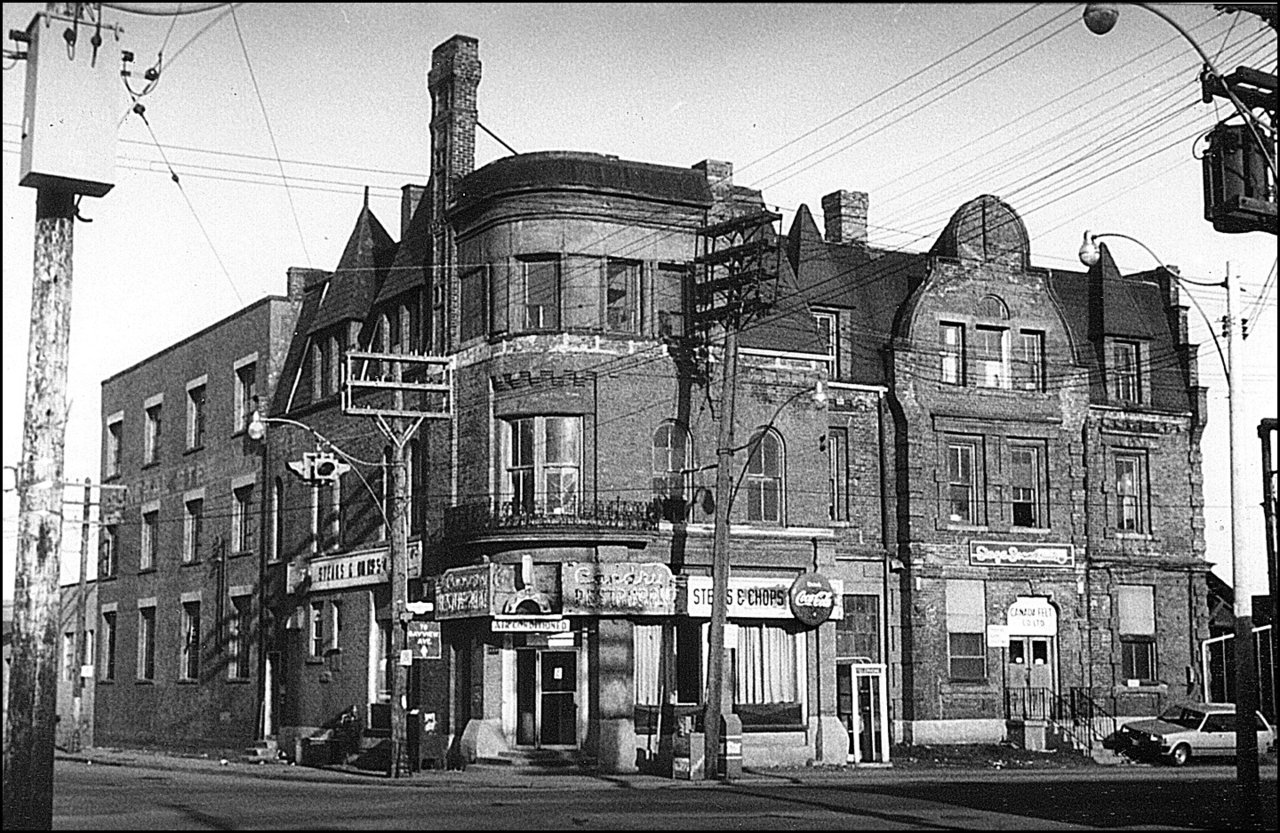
x: 1246, y: 694
x: 1101, y: 17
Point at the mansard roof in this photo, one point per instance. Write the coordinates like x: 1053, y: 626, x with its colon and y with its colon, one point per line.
x: 572, y: 170
x: 354, y: 284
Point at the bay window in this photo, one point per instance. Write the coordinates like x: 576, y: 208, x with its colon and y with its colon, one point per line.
x: 542, y: 458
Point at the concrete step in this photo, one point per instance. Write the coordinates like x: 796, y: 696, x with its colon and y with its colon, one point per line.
x: 550, y: 759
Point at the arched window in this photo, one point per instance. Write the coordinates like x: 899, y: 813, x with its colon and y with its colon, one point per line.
x: 672, y: 459
x: 992, y: 307
x: 765, y: 469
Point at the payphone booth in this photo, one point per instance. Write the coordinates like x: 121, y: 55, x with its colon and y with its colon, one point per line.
x: 862, y: 704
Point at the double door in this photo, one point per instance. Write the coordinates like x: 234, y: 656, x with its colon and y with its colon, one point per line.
x: 546, y: 697
x: 1030, y: 662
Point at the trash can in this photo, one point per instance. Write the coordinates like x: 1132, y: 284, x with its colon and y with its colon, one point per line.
x: 730, y: 754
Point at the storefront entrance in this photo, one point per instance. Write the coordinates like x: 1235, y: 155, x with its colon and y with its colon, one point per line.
x: 862, y: 708
x: 1029, y: 662
x: 546, y: 697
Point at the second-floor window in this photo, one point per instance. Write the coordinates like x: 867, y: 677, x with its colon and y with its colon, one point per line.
x: 108, y: 645
x: 108, y: 551
x: 671, y: 461
x: 1026, y: 489
x: 963, y: 481
x: 1130, y: 492
x: 195, y: 416
x: 764, y: 478
x: 242, y: 519
x: 151, y: 451
x: 192, y: 530
x: 837, y: 474
x: 150, y: 540
x: 543, y: 456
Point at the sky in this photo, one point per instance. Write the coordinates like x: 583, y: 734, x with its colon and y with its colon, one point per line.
x: 275, y: 116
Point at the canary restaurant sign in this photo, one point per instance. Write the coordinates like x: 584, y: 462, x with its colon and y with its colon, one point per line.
x: 620, y: 587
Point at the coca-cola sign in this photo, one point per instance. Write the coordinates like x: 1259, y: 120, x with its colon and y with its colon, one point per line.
x: 812, y: 599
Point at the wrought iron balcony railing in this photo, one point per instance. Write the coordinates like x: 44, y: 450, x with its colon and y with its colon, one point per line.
x: 472, y: 520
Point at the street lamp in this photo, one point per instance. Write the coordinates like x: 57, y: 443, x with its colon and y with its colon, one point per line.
x: 1101, y: 17
x: 257, y: 430
x: 1246, y: 694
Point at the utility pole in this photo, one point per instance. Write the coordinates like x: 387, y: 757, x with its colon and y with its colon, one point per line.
x: 737, y: 282
x: 29, y: 729
x: 430, y: 389
x: 81, y: 634
x: 399, y: 568
x: 1246, y: 683
x: 1266, y: 433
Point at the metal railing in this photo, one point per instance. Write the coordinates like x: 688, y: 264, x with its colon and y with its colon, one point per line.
x: 1076, y: 714
x: 473, y: 519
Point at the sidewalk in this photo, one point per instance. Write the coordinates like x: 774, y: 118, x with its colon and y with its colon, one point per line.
x: 915, y: 763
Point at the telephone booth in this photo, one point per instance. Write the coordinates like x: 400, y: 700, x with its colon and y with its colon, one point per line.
x: 862, y: 703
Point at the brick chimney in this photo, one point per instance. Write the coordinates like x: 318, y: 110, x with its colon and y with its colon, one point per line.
x: 844, y: 214
x: 302, y: 278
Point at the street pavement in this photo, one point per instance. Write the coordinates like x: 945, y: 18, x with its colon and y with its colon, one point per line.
x: 136, y: 789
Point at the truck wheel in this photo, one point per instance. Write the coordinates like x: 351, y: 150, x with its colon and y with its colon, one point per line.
x: 1180, y: 755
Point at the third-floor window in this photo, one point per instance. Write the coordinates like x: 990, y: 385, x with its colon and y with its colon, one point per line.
x: 542, y: 459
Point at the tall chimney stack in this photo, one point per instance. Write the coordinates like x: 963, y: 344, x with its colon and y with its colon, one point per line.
x: 844, y: 215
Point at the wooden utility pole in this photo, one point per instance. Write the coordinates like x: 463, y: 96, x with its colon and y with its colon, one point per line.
x: 736, y: 282
x: 82, y: 636
x: 29, y: 728
x: 399, y: 569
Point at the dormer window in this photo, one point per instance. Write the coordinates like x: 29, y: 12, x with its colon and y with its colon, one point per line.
x: 1126, y: 371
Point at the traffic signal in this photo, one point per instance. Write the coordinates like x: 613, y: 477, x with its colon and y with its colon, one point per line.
x: 318, y: 467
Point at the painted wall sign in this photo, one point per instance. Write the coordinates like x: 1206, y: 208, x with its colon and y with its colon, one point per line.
x: 812, y: 599
x: 1008, y: 554
x: 332, y: 572
x: 754, y: 597
x: 463, y: 592
x: 591, y: 588
x: 424, y: 639
x: 1032, y: 616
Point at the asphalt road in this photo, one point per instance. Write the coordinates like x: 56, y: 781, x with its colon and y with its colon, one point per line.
x: 210, y: 798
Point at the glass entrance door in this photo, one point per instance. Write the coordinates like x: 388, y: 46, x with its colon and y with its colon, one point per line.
x: 1029, y: 662
x: 546, y: 697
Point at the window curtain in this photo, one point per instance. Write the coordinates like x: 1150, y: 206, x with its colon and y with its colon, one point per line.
x: 765, y: 663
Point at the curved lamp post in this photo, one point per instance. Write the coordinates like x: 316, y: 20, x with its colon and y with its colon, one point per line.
x: 257, y: 431
x: 1101, y: 17
x: 1246, y: 684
